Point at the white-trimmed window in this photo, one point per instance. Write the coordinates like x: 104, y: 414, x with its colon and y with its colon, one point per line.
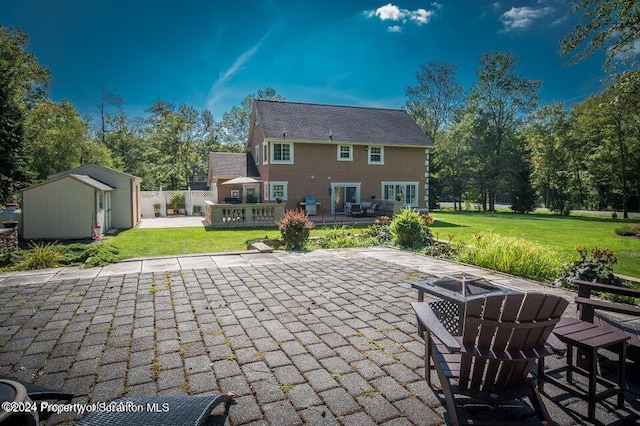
x: 282, y: 153
x: 265, y: 153
x: 257, y: 154
x: 345, y: 152
x: 278, y: 190
x: 376, y: 154
x: 407, y: 192
x: 199, y: 178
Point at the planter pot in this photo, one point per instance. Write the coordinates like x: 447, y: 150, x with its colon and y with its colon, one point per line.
x: 10, y: 224
x: 156, y: 214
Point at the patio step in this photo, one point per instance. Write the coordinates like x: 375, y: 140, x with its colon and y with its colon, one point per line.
x: 261, y: 247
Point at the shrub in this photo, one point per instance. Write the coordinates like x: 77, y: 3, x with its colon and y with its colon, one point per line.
x: 629, y: 231
x: 295, y: 227
x: 380, y: 230
x: 411, y: 229
x: 42, y: 256
x: 176, y: 199
x: 101, y: 254
x: 595, y: 267
x: 514, y: 256
x: 343, y: 237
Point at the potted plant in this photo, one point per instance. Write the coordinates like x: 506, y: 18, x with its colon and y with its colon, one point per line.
x: 156, y: 209
x: 399, y: 196
x: 197, y: 210
x: 278, y: 199
x: 177, y: 201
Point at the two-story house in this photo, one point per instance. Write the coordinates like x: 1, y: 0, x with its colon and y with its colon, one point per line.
x: 337, y: 154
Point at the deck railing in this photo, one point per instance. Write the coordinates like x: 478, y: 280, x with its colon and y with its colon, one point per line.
x: 243, y: 215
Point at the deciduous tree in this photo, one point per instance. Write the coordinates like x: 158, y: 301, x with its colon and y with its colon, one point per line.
x: 57, y: 138
x: 434, y: 101
x: 609, y: 25
x: 23, y: 83
x: 235, y: 123
x: 501, y: 99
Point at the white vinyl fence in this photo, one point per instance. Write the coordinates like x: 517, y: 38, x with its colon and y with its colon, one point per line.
x: 192, y: 198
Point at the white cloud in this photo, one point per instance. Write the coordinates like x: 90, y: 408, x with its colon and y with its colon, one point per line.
x: 391, y: 12
x: 388, y: 12
x: 395, y: 29
x: 521, y: 18
x: 421, y: 16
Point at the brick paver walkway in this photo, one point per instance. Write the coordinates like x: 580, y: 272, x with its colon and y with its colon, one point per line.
x: 323, y: 338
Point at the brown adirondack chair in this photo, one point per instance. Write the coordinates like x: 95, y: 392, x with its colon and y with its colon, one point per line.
x: 503, y: 337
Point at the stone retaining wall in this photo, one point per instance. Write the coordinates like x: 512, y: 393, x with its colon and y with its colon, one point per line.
x: 8, y: 240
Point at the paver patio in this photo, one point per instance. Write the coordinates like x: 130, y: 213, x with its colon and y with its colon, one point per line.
x: 326, y: 337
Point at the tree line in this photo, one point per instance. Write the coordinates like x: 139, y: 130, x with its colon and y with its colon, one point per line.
x: 496, y: 143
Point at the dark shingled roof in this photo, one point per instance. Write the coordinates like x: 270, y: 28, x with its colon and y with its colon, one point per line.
x: 315, y: 122
x: 229, y: 165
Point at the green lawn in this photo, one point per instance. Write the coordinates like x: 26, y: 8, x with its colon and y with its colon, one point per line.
x: 175, y: 241
x: 556, y: 232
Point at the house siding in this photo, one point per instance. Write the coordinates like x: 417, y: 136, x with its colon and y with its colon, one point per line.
x: 316, y: 167
x: 60, y: 209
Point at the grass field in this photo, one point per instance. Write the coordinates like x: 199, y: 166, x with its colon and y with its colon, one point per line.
x: 175, y: 241
x: 555, y: 232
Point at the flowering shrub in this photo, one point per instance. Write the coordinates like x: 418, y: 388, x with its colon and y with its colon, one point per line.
x: 411, y: 229
x: 295, y: 227
x: 380, y: 230
x: 595, y: 267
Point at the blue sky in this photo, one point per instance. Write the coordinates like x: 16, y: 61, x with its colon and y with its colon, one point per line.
x: 210, y: 54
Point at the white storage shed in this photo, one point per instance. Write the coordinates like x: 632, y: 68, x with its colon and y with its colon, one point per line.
x: 67, y: 207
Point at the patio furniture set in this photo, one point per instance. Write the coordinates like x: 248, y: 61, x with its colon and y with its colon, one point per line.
x: 483, y: 340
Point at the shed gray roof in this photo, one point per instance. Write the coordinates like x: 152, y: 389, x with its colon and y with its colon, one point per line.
x: 229, y: 165
x: 316, y: 122
x: 88, y: 166
x: 87, y: 180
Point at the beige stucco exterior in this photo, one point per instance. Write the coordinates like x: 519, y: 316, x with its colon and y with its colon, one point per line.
x: 63, y: 208
x: 316, y: 169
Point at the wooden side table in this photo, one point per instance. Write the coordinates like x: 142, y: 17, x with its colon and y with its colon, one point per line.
x: 590, y: 338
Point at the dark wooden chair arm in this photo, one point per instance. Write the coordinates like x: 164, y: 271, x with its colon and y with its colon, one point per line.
x: 430, y: 321
x: 585, y: 288
x: 609, y: 306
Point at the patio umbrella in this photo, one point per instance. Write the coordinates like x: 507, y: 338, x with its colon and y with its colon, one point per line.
x: 241, y: 180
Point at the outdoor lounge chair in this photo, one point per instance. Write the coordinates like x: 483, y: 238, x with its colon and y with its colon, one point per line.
x: 40, y: 393
x: 37, y: 392
x: 503, y: 337
x: 182, y: 410
x: 356, y: 210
